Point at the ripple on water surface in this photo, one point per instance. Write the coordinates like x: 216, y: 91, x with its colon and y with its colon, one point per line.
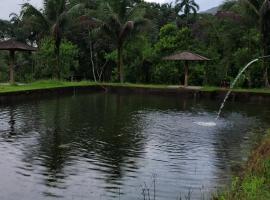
x: 99, y: 146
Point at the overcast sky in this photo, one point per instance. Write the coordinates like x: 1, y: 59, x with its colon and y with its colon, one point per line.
x: 9, y: 6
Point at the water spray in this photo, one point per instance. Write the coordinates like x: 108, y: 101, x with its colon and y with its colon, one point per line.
x: 235, y: 81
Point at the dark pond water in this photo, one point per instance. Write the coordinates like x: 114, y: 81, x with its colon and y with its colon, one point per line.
x: 109, y: 146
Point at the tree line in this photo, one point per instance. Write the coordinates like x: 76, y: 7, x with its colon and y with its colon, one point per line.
x: 125, y: 41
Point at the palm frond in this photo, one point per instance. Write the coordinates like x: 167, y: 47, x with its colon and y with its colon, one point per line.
x: 252, y: 6
x: 29, y: 11
x: 126, y: 30
x: 112, y: 20
x: 195, y: 5
x: 135, y: 13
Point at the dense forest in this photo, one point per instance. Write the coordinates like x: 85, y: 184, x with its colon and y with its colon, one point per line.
x: 125, y: 41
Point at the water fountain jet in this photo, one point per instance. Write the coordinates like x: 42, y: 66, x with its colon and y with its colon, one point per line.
x: 212, y: 124
x: 235, y: 81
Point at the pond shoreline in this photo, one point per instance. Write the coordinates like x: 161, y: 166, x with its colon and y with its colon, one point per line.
x: 45, y: 88
x: 57, y: 90
x: 253, y: 181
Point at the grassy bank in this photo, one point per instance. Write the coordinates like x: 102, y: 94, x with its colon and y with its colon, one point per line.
x: 254, y: 182
x: 50, y: 84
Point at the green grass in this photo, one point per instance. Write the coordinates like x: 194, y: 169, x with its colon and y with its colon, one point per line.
x: 50, y: 84
x: 254, y: 183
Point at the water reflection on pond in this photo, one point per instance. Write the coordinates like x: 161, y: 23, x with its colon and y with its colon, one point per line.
x: 98, y: 146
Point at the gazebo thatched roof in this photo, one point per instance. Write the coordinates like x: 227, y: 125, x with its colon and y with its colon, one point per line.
x: 13, y: 45
x: 186, y: 56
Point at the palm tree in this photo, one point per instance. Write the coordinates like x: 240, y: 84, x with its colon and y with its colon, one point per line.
x: 187, y: 7
x: 52, y: 20
x: 122, y: 18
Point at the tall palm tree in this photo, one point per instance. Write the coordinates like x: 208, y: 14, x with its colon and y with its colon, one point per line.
x: 122, y: 19
x: 52, y: 20
x: 186, y: 7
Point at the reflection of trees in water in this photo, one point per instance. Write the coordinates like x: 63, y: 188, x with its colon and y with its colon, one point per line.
x: 11, y: 121
x: 97, y: 127
x: 110, y: 135
x: 15, y: 118
x: 52, y: 137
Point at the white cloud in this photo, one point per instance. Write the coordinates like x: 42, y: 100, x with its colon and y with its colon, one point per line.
x: 204, y: 4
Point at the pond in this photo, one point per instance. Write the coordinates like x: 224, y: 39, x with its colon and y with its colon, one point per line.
x: 119, y: 146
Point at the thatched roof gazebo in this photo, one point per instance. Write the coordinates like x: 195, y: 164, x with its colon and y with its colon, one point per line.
x: 186, y: 57
x: 12, y: 46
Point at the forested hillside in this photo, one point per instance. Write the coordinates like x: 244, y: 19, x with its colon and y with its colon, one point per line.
x: 125, y: 40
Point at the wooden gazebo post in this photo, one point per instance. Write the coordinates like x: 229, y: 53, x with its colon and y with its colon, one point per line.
x: 12, y: 46
x: 11, y: 67
x: 186, y: 57
x: 186, y: 73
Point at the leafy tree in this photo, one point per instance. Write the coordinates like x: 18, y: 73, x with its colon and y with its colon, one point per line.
x: 171, y: 40
x: 68, y: 54
x: 139, y: 59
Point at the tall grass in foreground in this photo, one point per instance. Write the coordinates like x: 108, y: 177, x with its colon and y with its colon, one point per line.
x: 254, y: 182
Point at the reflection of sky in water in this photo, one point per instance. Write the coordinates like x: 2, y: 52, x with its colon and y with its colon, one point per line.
x: 97, y: 146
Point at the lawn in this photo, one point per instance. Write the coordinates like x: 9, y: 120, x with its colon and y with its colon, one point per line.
x: 50, y: 84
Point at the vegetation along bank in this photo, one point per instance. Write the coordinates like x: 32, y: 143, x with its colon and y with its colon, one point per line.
x: 254, y: 182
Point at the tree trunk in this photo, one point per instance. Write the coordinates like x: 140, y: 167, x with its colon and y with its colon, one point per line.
x: 91, y: 55
x: 57, y: 45
x: 265, y: 65
x: 58, y: 65
x: 266, y: 80
x: 92, y: 61
x: 120, y: 64
x: 11, y: 67
x: 186, y: 73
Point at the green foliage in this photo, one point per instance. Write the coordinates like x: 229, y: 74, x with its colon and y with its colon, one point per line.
x: 171, y: 40
x: 255, y: 181
x: 46, y: 61
x: 138, y: 56
x: 250, y: 188
x: 130, y: 37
